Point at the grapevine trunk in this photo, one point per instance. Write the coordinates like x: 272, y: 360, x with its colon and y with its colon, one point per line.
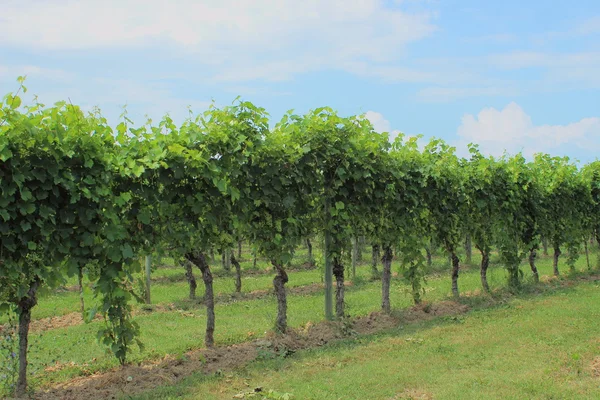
x: 189, y: 275
x: 238, y: 273
x: 24, y: 309
x: 455, y: 269
x: 386, y: 277
x: 279, y: 285
x: 557, y: 254
x: 338, y: 272
x: 534, y: 271
x: 209, y: 297
x: 375, y: 260
x: 485, y: 263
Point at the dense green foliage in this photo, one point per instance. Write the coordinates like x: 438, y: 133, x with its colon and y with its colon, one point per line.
x: 61, y: 210
x: 78, y: 196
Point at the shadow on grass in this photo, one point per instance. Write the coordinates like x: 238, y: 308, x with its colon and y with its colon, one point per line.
x: 498, y: 299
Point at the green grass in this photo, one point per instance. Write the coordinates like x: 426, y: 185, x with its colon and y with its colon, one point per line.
x: 175, y: 332
x: 165, y: 290
x: 536, y: 346
x: 170, y: 285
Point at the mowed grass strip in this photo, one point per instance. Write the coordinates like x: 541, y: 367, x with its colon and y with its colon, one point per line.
x: 164, y: 292
x: 170, y: 289
x: 64, y: 353
x: 535, y: 346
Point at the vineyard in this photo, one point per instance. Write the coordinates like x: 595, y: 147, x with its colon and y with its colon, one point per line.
x: 125, y: 246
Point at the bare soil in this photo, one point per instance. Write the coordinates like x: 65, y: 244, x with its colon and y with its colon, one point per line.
x: 427, y: 311
x: 595, y: 367
x: 60, y: 321
x: 136, y: 379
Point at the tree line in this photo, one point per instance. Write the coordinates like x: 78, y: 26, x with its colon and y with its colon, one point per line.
x: 78, y: 196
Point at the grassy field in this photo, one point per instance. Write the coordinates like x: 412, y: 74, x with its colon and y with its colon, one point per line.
x: 535, y: 346
x: 437, y: 353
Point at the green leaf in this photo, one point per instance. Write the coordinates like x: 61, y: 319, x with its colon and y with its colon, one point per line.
x: 123, y: 198
x: 5, y: 215
x: 235, y: 194
x: 115, y: 254
x: 145, y: 217
x: 91, y: 314
x: 31, y: 245
x: 26, y: 194
x: 138, y: 170
x: 28, y: 208
x: 13, y: 102
x: 122, y: 128
x: 127, y: 251
x: 5, y: 154
x: 16, y: 103
x: 25, y: 226
x: 222, y: 186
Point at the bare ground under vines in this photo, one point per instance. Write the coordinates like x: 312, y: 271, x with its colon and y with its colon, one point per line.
x: 136, y: 379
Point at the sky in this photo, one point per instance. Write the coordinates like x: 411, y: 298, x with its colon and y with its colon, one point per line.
x: 515, y: 76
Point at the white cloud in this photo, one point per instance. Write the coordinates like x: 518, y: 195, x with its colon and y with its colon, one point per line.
x: 492, y: 75
x: 110, y: 95
x: 273, y: 71
x: 531, y: 59
x: 588, y: 27
x: 448, y: 94
x: 154, y: 100
x: 392, y: 73
x: 12, y: 71
x: 584, y: 27
x: 288, y: 36
x: 380, y: 124
x: 511, y: 129
x: 256, y: 91
x: 498, y: 38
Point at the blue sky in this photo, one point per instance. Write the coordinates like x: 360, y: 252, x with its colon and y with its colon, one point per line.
x: 515, y: 75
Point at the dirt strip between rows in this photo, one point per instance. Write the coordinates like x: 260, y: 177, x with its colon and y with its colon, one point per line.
x: 137, y: 379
